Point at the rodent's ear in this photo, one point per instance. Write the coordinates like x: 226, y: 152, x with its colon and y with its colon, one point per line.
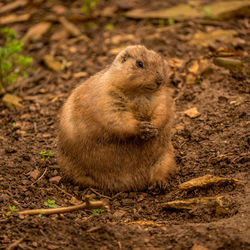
x: 124, y: 57
x: 168, y: 68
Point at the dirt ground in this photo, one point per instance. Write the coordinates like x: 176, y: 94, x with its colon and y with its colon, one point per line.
x: 215, y: 142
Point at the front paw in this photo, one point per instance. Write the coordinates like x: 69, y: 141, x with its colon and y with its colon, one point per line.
x: 147, y: 130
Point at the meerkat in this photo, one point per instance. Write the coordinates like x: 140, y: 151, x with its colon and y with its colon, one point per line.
x: 115, y: 128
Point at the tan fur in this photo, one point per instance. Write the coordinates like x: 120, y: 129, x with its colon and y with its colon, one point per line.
x: 115, y: 127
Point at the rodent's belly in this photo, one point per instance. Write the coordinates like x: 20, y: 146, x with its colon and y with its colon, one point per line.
x: 120, y: 157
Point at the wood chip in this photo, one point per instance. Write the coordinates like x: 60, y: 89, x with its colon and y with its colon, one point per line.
x: 13, y: 18
x: 36, y: 31
x: 205, y: 181
x: 192, y: 113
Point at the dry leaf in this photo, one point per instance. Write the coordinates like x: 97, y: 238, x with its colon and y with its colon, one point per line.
x: 190, y: 79
x: 201, y: 39
x: 12, y: 6
x: 180, y: 12
x: 51, y: 63
x: 192, y: 113
x: 225, y: 52
x: 121, y: 38
x: 175, y: 62
x: 13, y: 18
x: 194, y: 68
x: 59, y: 9
x: 59, y: 35
x: 80, y: 74
x: 12, y: 101
x: 115, y: 51
x: 233, y: 65
x: 198, y: 247
x: 109, y: 11
x: 36, y: 31
x: 205, y: 181
x: 224, y: 10
x: 192, y: 203
x: 70, y: 27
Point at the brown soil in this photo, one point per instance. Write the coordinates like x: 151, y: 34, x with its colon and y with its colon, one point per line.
x: 216, y: 142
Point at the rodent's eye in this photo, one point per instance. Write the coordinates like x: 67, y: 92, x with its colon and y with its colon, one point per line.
x: 139, y: 64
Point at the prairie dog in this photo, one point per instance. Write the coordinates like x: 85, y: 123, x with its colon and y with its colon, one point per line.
x: 115, y: 128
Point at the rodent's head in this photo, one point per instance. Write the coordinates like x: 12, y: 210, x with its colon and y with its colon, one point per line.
x: 139, y: 70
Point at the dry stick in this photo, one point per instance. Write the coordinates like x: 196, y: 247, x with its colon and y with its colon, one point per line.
x: 101, y: 195
x: 60, y: 210
x: 40, y: 176
x: 14, y: 244
x: 65, y: 192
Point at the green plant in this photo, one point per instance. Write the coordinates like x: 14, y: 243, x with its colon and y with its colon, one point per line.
x: 9, y: 213
x: 88, y: 6
x: 109, y: 27
x: 46, y: 155
x: 50, y: 203
x: 170, y: 21
x: 208, y: 13
x: 12, y: 63
x: 96, y: 212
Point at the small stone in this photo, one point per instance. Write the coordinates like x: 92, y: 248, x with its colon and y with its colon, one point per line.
x: 34, y: 174
x: 192, y: 113
x: 55, y: 179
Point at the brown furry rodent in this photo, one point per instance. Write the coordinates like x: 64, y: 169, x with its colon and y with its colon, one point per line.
x: 115, y: 127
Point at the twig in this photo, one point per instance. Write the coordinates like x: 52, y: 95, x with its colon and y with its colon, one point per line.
x: 14, y: 244
x: 101, y: 195
x: 40, y: 176
x: 60, y: 210
x: 116, y: 195
x: 65, y: 192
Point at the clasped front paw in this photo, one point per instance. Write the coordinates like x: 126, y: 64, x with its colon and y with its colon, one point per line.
x: 147, y: 130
